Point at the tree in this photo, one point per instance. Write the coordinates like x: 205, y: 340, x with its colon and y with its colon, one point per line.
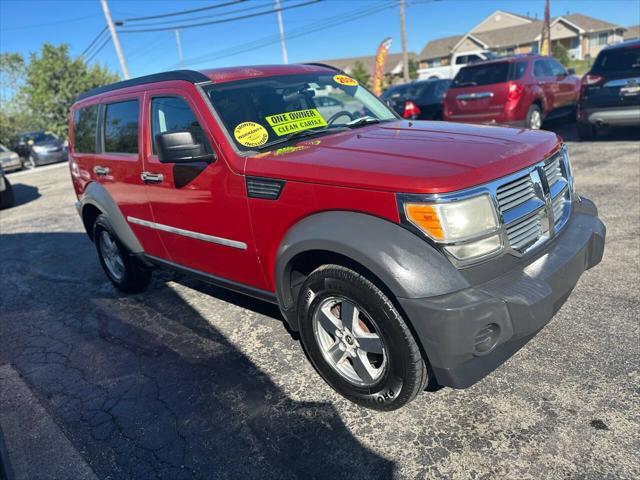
x: 14, y: 114
x: 54, y: 80
x: 360, y: 73
x: 560, y: 53
x: 413, y: 69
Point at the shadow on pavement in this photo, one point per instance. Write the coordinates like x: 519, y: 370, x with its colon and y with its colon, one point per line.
x: 146, y: 387
x: 24, y: 193
x: 569, y: 132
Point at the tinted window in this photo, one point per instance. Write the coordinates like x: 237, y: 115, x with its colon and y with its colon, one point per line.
x: 173, y: 114
x: 556, y: 69
x: 482, y: 75
x: 461, y: 60
x: 518, y: 69
x: 395, y: 92
x: 618, y: 60
x: 85, y: 122
x: 121, y: 127
x: 541, y: 69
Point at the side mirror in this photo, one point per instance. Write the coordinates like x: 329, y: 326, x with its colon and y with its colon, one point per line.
x: 571, y: 71
x: 181, y: 147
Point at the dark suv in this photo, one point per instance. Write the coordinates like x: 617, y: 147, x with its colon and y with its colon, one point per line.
x: 610, y: 93
x: 421, y: 100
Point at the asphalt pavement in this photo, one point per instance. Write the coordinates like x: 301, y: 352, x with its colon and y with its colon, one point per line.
x: 191, y: 381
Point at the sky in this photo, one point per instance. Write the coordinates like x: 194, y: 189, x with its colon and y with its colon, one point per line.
x: 317, y: 31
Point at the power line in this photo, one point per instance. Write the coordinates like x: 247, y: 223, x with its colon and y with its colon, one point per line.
x: 98, y: 50
x: 183, y: 26
x: 93, y: 42
x: 183, y: 12
x: 328, y: 22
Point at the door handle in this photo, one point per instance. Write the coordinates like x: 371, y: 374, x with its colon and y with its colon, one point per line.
x: 101, y: 171
x: 148, y: 177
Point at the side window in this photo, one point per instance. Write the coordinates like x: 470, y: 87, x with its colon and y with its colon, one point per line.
x: 540, y: 69
x: 473, y: 58
x: 85, y: 123
x: 173, y: 114
x: 518, y: 69
x: 557, y: 70
x: 121, y: 127
x: 461, y: 60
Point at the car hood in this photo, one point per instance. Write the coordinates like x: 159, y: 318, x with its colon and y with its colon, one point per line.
x: 410, y: 157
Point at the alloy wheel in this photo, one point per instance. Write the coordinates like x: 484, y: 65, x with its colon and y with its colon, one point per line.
x: 111, y: 255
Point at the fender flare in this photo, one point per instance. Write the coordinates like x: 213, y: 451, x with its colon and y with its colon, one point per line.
x: 406, y: 264
x: 98, y: 196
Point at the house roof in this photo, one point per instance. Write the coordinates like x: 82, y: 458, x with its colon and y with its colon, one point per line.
x: 440, y: 47
x: 368, y: 62
x: 511, y: 35
x: 632, y: 32
x: 589, y: 24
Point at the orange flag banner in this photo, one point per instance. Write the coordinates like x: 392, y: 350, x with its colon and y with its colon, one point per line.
x: 381, y: 58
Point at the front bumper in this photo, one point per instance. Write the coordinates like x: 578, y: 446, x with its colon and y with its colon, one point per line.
x: 517, y: 304
x: 50, y: 157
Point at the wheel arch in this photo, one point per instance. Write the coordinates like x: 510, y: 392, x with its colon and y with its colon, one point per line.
x: 396, y: 260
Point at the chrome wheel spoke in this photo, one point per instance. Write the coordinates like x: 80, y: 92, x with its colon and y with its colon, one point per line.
x: 328, y: 320
x: 363, y: 368
x: 335, y: 353
x: 370, y: 342
x: 349, y: 315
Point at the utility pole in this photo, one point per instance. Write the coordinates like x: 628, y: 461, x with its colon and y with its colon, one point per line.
x: 405, y: 54
x: 114, y: 37
x: 179, y: 45
x: 285, y: 60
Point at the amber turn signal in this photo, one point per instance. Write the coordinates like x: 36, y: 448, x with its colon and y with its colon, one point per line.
x: 426, y: 218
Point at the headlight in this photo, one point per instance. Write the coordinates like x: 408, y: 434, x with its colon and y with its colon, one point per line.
x: 38, y: 149
x: 464, y: 225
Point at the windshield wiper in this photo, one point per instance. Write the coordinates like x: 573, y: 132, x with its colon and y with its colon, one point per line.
x: 295, y: 136
x: 359, y: 122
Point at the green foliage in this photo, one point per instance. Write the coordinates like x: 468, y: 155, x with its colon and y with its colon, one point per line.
x: 360, y: 73
x: 580, y: 66
x: 43, y: 90
x: 413, y: 69
x: 560, y: 53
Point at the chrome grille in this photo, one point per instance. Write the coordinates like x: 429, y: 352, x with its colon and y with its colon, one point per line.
x: 553, y: 170
x: 524, y: 233
x: 515, y: 193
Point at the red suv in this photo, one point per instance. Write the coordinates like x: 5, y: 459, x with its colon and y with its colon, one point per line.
x: 402, y: 251
x: 518, y: 91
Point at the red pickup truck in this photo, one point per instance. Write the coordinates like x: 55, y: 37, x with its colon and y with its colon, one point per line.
x: 402, y: 251
x: 519, y: 91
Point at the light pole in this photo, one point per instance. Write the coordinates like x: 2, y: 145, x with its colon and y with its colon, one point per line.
x: 114, y: 37
x: 405, y: 54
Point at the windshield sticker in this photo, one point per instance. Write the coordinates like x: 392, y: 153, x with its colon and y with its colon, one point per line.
x: 251, y: 134
x: 290, y: 122
x: 345, y: 80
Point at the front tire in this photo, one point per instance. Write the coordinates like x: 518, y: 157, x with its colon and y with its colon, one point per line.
x: 358, y: 341
x: 586, y: 132
x: 124, y: 270
x: 7, y: 198
x: 534, y: 117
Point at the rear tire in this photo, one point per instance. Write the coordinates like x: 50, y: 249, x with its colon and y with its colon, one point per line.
x: 7, y: 198
x: 587, y: 132
x: 534, y: 118
x: 358, y: 341
x: 123, y: 269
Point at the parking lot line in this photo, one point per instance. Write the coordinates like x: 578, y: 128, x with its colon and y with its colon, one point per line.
x: 37, y: 169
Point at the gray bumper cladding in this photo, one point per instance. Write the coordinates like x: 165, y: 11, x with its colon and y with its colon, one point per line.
x: 512, y: 307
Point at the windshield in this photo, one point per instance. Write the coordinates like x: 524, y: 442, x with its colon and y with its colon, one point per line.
x: 42, y: 137
x: 259, y: 112
x: 3, y: 148
x: 482, y: 75
x: 618, y: 60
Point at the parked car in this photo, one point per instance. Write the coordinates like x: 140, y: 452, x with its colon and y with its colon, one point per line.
x: 458, y: 60
x: 40, y: 148
x: 9, y: 160
x: 523, y: 90
x: 421, y: 99
x: 610, y: 94
x: 7, y: 198
x: 400, y: 250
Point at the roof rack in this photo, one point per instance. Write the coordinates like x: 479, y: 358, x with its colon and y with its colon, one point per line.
x: 191, y: 76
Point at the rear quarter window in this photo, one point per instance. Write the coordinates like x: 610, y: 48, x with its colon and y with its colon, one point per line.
x: 85, y: 123
x: 121, y: 127
x: 482, y: 75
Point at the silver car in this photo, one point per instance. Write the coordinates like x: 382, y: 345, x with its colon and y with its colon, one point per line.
x: 9, y: 160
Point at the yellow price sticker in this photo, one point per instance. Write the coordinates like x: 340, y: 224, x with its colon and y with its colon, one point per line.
x: 345, y: 80
x: 289, y: 122
x: 251, y: 134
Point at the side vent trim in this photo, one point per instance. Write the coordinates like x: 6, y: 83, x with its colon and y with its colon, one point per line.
x: 265, y: 188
